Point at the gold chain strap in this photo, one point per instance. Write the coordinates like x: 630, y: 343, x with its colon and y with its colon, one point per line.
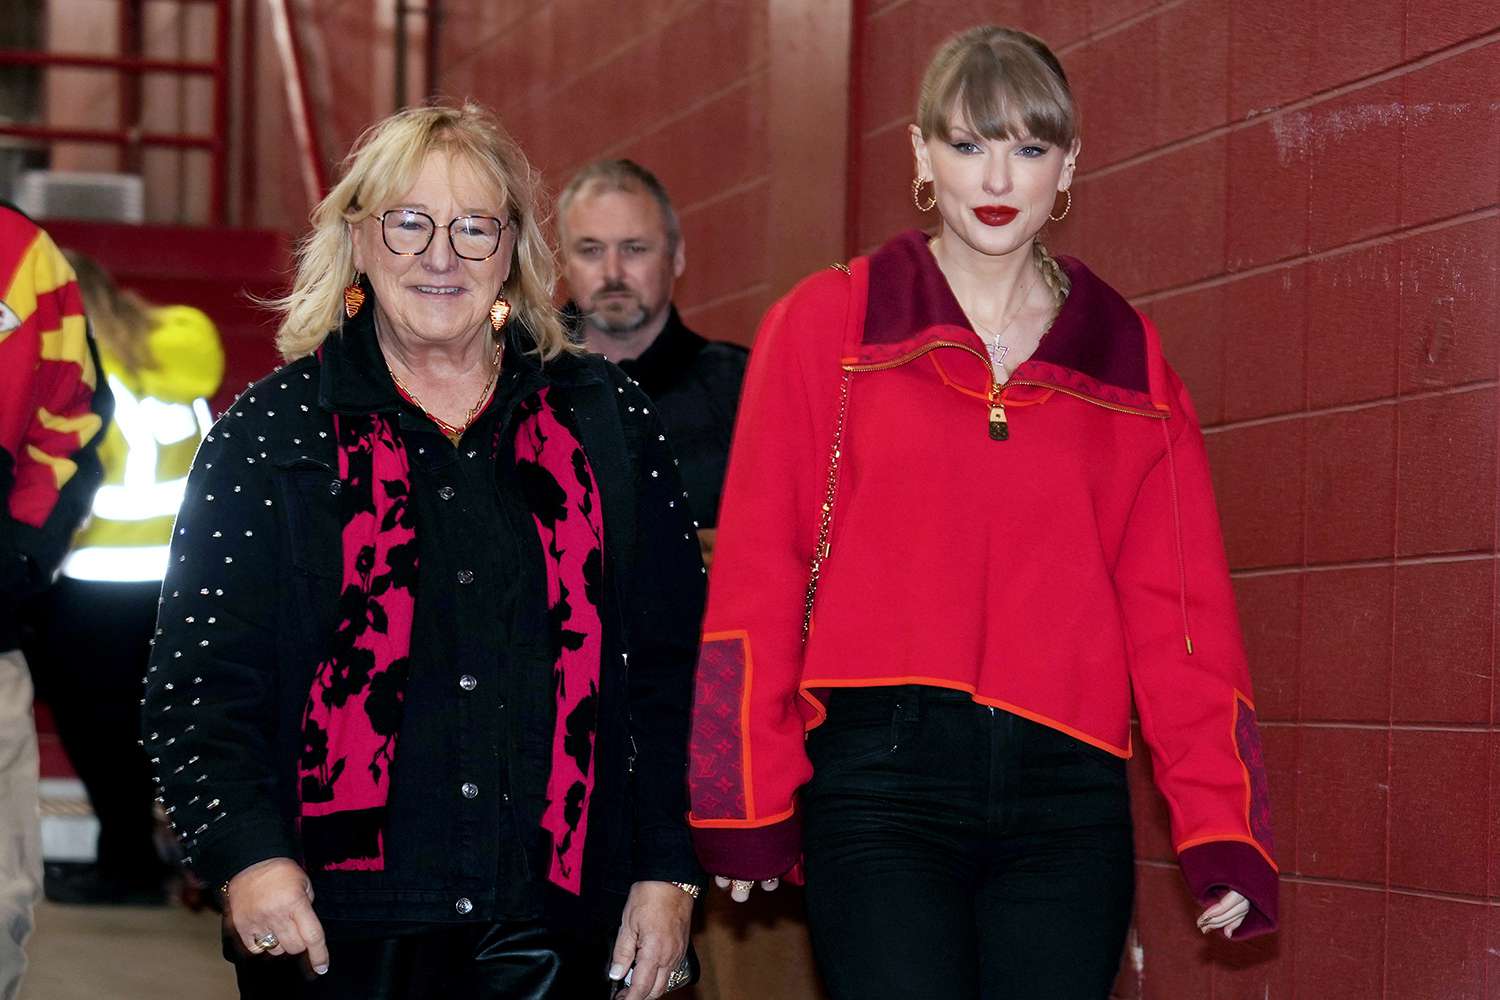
x: 825, y: 519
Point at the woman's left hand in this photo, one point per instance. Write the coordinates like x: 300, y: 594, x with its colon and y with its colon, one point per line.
x: 1226, y: 915
x: 653, y: 938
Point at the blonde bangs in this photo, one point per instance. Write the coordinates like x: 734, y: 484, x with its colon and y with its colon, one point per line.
x: 382, y: 165
x: 392, y: 166
x: 998, y: 83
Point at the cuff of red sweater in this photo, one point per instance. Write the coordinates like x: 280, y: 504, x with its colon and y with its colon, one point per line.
x: 1221, y: 865
x: 750, y: 853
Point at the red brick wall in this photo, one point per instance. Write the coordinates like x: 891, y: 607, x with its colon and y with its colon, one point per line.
x: 679, y: 86
x: 1304, y: 197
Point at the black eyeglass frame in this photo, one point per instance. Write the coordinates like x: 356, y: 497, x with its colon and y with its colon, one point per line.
x: 384, y: 238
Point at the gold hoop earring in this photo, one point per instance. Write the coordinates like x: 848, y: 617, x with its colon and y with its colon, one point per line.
x: 499, y: 312
x: 354, y: 297
x: 1067, y: 207
x: 916, y: 195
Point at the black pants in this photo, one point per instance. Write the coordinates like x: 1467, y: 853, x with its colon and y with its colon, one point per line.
x: 520, y: 960
x: 89, y: 655
x: 957, y: 852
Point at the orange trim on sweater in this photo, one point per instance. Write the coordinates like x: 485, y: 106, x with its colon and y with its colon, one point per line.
x: 943, y: 374
x: 984, y: 397
x: 1225, y: 837
x: 806, y: 685
x: 740, y: 824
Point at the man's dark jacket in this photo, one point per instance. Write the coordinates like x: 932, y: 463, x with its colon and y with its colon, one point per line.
x: 696, y: 385
x: 252, y: 597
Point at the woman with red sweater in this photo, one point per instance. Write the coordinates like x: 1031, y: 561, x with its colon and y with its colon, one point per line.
x: 968, y: 520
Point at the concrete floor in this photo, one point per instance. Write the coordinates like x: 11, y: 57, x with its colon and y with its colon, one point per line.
x: 125, y: 953
x: 757, y: 949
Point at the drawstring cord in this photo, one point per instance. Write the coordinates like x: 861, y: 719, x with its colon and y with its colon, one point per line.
x: 1187, y: 634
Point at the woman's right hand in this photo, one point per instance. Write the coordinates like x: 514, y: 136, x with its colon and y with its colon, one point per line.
x: 739, y: 889
x: 275, y: 896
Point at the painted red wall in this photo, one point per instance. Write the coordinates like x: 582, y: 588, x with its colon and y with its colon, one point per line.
x: 1304, y: 197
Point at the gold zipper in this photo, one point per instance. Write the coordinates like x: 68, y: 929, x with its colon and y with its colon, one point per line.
x: 880, y: 366
x: 1133, y: 411
x: 999, y: 426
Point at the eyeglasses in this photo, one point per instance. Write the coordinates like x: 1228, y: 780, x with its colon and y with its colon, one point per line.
x: 408, y: 233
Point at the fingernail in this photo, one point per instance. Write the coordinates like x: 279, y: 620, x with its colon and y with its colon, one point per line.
x: 616, y: 971
x: 321, y: 970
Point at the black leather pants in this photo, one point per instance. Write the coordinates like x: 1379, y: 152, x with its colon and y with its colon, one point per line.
x: 514, y: 961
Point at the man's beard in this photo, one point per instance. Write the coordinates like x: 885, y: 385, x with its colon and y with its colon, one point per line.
x: 616, y: 323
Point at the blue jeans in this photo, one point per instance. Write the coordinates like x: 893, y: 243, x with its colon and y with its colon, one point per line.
x: 959, y: 852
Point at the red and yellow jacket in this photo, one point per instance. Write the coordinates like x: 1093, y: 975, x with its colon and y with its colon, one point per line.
x: 53, y: 408
x: 1053, y: 574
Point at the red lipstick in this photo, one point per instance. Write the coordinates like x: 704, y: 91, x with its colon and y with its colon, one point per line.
x: 996, y: 215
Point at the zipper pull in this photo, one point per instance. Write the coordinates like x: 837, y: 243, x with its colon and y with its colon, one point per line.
x: 999, y: 426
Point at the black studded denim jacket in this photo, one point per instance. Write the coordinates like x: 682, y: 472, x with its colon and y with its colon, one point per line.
x: 250, y: 599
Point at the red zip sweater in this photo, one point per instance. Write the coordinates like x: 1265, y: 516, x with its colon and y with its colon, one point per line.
x: 1053, y: 574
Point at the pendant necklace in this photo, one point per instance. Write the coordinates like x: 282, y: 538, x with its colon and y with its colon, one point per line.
x: 994, y: 348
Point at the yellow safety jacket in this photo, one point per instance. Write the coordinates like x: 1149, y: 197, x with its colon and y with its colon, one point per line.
x: 161, y: 413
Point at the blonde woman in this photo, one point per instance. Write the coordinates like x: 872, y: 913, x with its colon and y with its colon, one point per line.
x: 419, y: 699
x: 1003, y: 494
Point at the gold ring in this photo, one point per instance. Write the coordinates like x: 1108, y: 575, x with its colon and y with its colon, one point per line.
x: 267, y: 941
x: 741, y: 885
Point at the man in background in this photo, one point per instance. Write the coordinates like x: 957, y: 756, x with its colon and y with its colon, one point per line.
x: 622, y: 252
x: 53, y: 408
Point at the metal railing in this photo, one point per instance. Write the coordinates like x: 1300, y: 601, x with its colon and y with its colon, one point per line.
x: 130, y: 139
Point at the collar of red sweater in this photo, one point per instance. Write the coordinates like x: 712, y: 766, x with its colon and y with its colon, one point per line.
x: 1099, y: 346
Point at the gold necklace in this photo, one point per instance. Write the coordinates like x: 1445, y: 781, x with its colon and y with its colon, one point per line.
x: 454, y: 432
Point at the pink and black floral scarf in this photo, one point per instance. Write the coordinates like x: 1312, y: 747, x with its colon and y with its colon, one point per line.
x: 353, y: 713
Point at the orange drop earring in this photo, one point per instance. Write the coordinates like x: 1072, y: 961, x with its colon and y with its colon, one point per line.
x: 354, y: 297
x: 499, y: 312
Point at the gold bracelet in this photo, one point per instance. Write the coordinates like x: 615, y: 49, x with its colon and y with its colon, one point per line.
x: 689, y: 888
